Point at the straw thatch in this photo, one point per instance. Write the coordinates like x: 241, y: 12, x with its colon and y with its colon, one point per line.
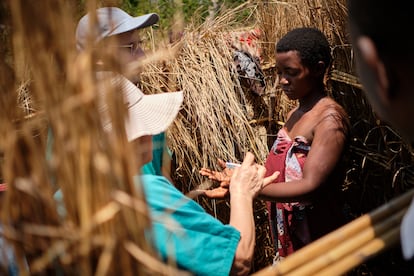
x: 103, y: 230
x: 218, y: 119
x: 106, y: 218
x: 221, y: 119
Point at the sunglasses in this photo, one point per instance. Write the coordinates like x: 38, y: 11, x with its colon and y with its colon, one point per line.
x: 133, y: 47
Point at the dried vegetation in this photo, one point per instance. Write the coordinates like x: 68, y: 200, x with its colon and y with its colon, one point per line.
x: 46, y: 85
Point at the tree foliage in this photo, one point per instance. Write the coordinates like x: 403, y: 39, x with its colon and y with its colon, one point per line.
x: 195, y: 11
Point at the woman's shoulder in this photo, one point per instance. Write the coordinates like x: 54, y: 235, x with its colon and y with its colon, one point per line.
x: 329, y: 103
x: 329, y: 108
x: 331, y: 114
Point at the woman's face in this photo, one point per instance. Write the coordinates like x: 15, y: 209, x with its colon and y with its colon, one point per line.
x: 294, y: 78
x: 142, y: 148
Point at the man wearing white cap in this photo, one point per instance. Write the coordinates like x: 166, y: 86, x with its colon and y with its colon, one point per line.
x: 113, y: 22
x: 183, y: 231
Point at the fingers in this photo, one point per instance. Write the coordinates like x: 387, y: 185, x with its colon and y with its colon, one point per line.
x: 248, y: 159
x: 195, y: 193
x: 217, y: 192
x: 249, y: 177
x: 225, y: 184
x: 214, y: 193
x: 205, y: 171
x: 213, y: 175
x: 224, y: 177
x: 221, y: 163
x: 270, y: 179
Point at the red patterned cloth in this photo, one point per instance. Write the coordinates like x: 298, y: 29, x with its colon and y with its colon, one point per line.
x: 3, y: 187
x: 296, y: 224
x: 288, y: 156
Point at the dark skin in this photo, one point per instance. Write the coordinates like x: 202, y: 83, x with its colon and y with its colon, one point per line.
x: 317, y: 118
x: 386, y: 74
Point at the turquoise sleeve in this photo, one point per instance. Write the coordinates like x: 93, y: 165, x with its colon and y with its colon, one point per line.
x: 185, y: 233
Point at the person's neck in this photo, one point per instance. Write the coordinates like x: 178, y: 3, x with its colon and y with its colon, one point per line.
x: 308, y: 102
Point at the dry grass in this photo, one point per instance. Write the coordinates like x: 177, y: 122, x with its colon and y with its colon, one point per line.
x: 103, y: 232
x: 106, y: 218
x: 219, y: 116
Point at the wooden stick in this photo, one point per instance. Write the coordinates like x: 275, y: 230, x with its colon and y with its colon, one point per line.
x: 366, y: 252
x: 334, y: 238
x: 349, y: 245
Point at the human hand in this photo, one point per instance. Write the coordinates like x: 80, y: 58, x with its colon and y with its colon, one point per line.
x: 248, y: 179
x: 219, y: 192
x: 223, y: 177
x: 222, y: 192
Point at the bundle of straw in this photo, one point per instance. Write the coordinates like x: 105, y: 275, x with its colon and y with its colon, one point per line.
x: 105, y: 225
x: 219, y: 119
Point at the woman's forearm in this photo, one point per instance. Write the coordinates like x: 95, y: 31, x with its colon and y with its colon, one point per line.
x: 241, y: 217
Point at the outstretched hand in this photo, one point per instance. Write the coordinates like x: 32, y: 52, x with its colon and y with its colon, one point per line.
x: 225, y: 176
x: 222, y: 177
x: 219, y: 192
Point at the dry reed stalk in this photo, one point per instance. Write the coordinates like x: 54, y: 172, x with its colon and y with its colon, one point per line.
x: 350, y: 245
x: 87, y: 164
x: 214, y: 102
x: 275, y: 18
x: 215, y: 120
x: 386, y: 240
x: 345, y: 78
x: 320, y: 247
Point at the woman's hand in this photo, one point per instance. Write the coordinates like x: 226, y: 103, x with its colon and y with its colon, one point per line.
x: 249, y: 179
x: 222, y: 177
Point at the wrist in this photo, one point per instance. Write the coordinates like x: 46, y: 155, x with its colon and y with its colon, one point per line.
x: 241, y: 195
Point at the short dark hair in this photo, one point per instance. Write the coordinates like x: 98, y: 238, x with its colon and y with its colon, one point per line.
x: 310, y: 43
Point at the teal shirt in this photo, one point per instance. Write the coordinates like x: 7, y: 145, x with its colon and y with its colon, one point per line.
x: 182, y: 231
x: 185, y: 232
x: 158, y: 145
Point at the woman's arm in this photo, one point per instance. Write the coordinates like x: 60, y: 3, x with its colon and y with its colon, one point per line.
x: 245, y: 184
x: 326, y: 149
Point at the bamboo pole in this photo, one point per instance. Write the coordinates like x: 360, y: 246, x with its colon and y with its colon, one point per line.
x: 349, y: 245
x: 366, y: 252
x: 331, y: 240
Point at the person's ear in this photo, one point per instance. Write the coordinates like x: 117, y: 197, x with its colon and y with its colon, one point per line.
x: 320, y: 68
x: 369, y: 55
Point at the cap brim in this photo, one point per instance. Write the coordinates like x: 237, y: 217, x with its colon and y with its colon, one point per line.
x: 135, y: 23
x: 153, y: 114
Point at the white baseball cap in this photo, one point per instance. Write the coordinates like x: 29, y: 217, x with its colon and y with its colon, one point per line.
x: 111, y: 21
